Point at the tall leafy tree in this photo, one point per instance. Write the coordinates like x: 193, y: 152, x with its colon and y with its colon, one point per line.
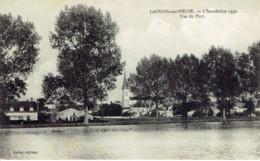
x: 18, y: 54
x: 247, y: 75
x: 254, y: 53
x: 88, y: 53
x: 184, y: 81
x: 224, y: 82
x: 150, y: 80
x: 248, y: 80
x: 248, y: 68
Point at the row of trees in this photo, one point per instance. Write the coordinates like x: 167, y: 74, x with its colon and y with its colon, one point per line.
x: 89, y: 59
x: 188, y: 80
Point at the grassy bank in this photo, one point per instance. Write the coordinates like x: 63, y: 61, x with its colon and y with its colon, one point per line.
x: 136, y: 121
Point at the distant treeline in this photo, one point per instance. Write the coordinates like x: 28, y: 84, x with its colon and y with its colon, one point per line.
x: 218, y: 75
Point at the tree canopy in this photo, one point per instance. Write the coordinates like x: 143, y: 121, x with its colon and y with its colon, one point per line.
x: 18, y: 55
x: 89, y: 59
x: 150, y: 79
x: 187, y: 81
x: 224, y: 81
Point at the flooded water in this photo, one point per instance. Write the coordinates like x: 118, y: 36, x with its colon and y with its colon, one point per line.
x: 171, y: 141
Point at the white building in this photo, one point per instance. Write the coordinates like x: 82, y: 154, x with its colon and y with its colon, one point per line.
x: 22, y: 111
x: 71, y: 113
x: 125, y: 94
x: 238, y: 108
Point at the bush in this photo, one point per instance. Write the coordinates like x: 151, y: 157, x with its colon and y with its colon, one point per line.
x: 42, y: 117
x: 199, y: 114
x: 111, y: 110
x: 210, y: 113
x: 153, y: 114
x: 3, y: 119
x: 245, y: 114
x: 127, y: 113
x: 219, y: 114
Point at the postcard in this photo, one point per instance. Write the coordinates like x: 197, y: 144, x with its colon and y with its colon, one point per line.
x: 131, y: 79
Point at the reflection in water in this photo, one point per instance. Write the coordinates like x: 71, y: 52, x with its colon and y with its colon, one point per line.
x: 169, y: 141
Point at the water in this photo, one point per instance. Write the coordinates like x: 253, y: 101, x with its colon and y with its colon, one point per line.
x: 171, y: 141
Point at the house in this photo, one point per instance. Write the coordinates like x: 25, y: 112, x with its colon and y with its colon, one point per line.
x: 70, y: 113
x: 22, y: 111
x: 238, y: 108
x: 257, y: 106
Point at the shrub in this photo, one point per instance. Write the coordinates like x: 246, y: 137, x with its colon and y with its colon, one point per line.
x: 42, y: 117
x: 210, y: 112
x: 219, y: 114
x: 127, y: 113
x: 111, y: 110
x: 199, y: 114
x: 3, y: 119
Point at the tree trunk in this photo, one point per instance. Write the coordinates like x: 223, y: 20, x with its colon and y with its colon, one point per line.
x: 185, y: 113
x: 102, y: 110
x: 156, y: 110
x: 86, y: 116
x: 185, y: 110
x: 86, y: 110
x: 224, y: 114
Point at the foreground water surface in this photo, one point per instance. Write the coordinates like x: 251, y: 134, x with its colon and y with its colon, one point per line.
x: 170, y: 141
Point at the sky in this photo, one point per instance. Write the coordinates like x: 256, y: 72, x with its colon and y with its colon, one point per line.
x: 143, y: 33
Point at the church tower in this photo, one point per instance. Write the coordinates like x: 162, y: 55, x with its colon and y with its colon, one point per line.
x: 125, y: 93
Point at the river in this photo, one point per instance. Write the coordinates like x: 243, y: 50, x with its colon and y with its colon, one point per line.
x: 169, y: 141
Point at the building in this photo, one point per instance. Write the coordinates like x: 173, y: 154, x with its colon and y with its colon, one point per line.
x: 125, y: 94
x: 22, y: 111
x: 70, y: 113
x: 238, y: 108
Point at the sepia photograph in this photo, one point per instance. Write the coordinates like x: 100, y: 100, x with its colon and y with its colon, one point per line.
x: 129, y: 80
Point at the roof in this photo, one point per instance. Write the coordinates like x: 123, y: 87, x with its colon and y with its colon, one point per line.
x: 144, y: 98
x: 159, y: 109
x: 69, y: 109
x: 76, y: 107
x: 138, y: 107
x: 50, y: 106
x: 240, y: 105
x: 25, y: 104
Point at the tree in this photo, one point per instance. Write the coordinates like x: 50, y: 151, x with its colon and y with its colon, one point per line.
x: 254, y: 53
x: 18, y: 54
x: 184, y: 81
x: 247, y: 75
x: 248, y: 80
x: 248, y: 68
x: 150, y: 79
x: 88, y: 53
x: 41, y: 103
x: 202, y: 83
x: 224, y: 82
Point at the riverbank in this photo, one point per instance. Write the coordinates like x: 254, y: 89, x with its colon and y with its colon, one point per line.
x: 136, y: 121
